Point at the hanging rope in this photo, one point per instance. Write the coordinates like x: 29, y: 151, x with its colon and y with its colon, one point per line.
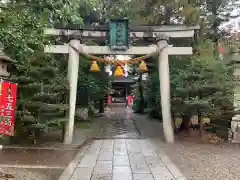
x: 119, y: 72
x: 116, y: 62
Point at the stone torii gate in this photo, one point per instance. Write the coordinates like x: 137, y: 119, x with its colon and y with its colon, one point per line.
x: 161, y: 33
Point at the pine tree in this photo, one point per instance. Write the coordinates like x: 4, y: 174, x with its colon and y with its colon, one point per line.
x: 195, y: 90
x: 206, y: 90
x: 42, y: 81
x: 152, y: 96
x: 41, y: 102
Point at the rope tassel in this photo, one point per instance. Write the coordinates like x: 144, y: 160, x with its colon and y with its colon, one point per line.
x: 94, y: 67
x: 119, y: 71
x: 143, y: 67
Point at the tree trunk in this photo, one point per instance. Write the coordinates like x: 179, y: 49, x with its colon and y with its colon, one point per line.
x: 101, y: 106
x: 63, y: 131
x: 200, y: 124
x: 167, y: 15
x: 174, y: 123
x: 185, y: 122
x: 215, y: 27
x: 141, y: 103
x: 89, y: 106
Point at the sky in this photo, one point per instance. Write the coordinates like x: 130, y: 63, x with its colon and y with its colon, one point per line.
x: 234, y: 24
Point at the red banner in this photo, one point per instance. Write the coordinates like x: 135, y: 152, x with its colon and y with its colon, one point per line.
x: 7, y: 108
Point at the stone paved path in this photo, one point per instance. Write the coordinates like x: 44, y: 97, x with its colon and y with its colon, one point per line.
x: 120, y: 125
x: 122, y: 159
x: 120, y: 154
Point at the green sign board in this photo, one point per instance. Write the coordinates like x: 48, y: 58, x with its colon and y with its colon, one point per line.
x: 118, y: 34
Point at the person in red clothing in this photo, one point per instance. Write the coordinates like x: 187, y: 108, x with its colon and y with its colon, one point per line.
x: 130, y: 100
x: 109, y: 100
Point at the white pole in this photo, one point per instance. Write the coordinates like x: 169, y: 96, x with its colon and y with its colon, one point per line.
x: 73, y: 64
x: 164, y: 77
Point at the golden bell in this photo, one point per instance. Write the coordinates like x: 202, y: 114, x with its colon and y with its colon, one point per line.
x: 142, y: 67
x: 94, y: 67
x: 119, y: 71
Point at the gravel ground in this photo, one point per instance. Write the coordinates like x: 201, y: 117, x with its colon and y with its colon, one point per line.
x: 197, y: 159
x: 36, y: 157
x: 33, y: 174
x: 205, y: 161
x: 47, y: 156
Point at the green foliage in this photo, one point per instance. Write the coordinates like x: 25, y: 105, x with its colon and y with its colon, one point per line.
x: 206, y: 84
x: 40, y: 101
x: 200, y: 85
x: 93, y: 86
x: 147, y: 12
x: 41, y: 78
x: 152, y: 95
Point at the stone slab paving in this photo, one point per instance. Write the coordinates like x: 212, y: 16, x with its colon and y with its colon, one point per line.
x: 122, y: 159
x: 119, y: 125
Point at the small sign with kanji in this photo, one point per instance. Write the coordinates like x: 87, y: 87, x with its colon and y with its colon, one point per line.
x: 118, y: 34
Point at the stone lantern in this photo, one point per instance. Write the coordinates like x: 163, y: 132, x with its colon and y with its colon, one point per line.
x: 4, y: 61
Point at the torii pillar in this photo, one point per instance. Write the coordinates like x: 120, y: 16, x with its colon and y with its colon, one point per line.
x: 164, y: 77
x: 73, y: 66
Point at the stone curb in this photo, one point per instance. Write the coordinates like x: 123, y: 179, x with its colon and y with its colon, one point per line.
x: 39, y: 148
x: 30, y: 166
x: 68, y: 172
x: 168, y: 163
